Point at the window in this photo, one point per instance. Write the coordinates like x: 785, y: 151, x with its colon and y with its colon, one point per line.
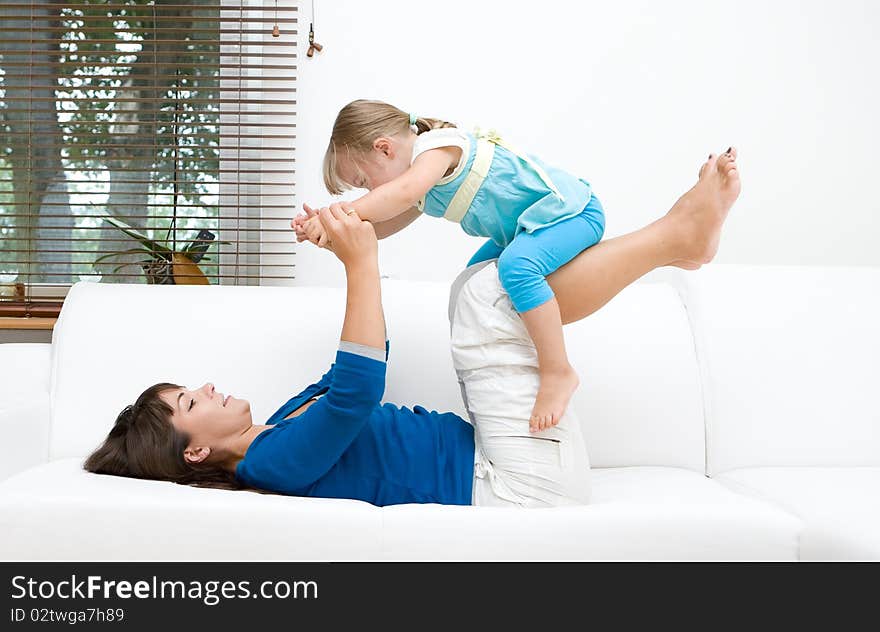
x: 144, y: 142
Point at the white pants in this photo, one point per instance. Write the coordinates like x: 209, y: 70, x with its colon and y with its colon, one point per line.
x: 497, y: 363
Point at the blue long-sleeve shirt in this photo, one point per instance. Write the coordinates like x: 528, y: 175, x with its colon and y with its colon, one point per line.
x: 347, y: 445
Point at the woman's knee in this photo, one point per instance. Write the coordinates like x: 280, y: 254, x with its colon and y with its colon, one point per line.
x: 539, y: 471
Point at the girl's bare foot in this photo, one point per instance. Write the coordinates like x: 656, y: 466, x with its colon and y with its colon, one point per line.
x: 554, y: 393
x: 699, y: 214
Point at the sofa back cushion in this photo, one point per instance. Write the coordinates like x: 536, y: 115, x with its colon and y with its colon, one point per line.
x: 639, y: 399
x: 262, y: 344
x: 791, y: 360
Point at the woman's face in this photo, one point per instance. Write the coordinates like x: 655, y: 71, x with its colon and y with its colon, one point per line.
x: 208, y: 417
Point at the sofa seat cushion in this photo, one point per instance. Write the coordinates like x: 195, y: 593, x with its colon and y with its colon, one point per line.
x: 58, y: 511
x: 637, y: 513
x: 840, y: 506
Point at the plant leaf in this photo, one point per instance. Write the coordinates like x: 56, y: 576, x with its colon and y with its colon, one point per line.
x: 121, y: 252
x: 142, y: 261
x: 131, y: 232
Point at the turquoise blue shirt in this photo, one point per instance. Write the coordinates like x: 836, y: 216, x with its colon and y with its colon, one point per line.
x: 348, y: 445
x: 512, y: 198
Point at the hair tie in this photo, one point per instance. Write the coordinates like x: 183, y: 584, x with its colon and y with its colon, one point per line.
x: 412, y: 118
x: 125, y: 417
x: 123, y: 423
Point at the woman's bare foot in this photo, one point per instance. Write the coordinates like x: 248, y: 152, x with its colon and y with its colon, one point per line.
x: 699, y: 214
x: 554, y: 393
x: 686, y: 265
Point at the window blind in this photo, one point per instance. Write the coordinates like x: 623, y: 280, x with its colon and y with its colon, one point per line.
x: 144, y: 142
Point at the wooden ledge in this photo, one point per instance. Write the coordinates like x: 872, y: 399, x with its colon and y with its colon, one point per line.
x: 27, y: 323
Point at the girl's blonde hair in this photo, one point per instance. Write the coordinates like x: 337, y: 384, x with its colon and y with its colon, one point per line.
x: 357, y: 126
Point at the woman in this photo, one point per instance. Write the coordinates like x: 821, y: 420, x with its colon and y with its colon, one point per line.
x: 335, y: 440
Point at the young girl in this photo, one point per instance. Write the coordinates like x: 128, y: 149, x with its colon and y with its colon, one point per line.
x: 537, y: 217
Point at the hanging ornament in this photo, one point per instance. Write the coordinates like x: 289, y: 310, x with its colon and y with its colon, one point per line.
x: 313, y: 45
x: 276, y: 31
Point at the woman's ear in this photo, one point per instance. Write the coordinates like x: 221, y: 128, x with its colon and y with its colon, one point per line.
x: 196, y: 455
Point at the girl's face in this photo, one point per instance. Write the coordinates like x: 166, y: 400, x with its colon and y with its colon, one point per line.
x: 210, y: 419
x: 389, y: 158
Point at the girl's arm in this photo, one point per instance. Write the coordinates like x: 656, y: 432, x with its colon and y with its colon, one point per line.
x: 393, y: 198
x: 396, y: 224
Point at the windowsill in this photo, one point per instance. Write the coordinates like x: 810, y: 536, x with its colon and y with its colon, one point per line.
x: 27, y: 323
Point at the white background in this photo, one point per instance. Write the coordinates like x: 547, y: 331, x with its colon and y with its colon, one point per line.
x: 631, y: 95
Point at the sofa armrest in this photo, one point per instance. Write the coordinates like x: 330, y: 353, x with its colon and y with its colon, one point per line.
x: 24, y: 406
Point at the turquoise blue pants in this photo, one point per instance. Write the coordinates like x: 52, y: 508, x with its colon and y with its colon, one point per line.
x: 527, y: 260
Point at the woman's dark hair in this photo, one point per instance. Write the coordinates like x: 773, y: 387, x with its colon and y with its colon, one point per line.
x: 143, y: 443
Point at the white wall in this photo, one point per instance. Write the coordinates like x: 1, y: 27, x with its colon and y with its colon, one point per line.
x: 632, y: 95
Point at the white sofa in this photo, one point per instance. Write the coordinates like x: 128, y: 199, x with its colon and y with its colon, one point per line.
x: 729, y: 414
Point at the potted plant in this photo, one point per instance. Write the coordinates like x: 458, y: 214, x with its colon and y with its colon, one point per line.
x: 162, y: 264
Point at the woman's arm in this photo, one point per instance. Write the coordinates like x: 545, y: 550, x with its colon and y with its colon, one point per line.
x: 354, y: 243
x: 302, y: 452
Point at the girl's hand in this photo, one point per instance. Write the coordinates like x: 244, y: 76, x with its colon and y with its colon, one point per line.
x: 297, y: 225
x: 310, y: 212
x: 315, y: 231
x: 308, y: 228
x: 298, y: 222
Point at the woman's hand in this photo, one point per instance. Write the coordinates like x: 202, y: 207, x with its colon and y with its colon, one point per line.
x: 353, y: 240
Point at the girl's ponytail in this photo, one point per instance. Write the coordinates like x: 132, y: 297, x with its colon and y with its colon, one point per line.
x: 423, y: 125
